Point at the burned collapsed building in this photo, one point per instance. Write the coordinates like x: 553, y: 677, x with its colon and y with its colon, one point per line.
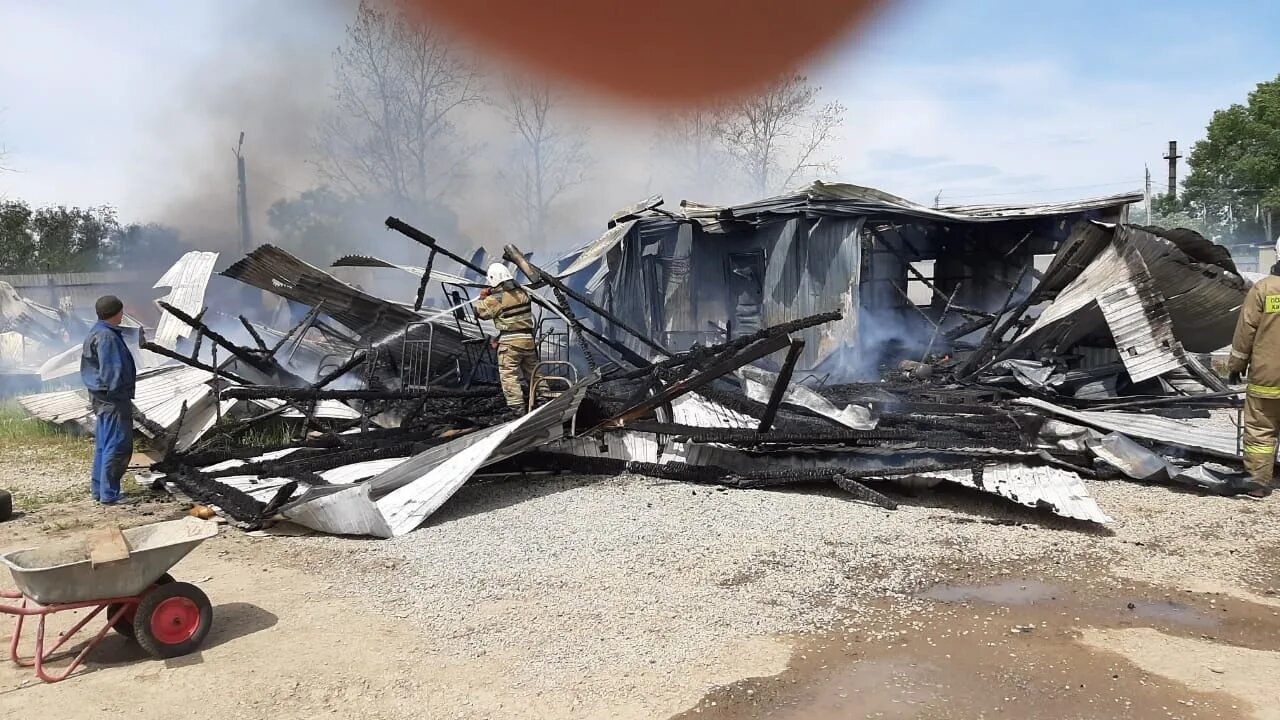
x: 836, y: 335
x: 896, y: 270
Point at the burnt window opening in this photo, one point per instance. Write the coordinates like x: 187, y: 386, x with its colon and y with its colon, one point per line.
x: 918, y: 291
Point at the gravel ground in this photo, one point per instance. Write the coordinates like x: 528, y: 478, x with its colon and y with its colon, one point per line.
x: 580, y: 596
x: 579, y: 581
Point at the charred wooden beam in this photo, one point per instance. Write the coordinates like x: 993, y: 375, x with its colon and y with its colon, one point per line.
x: 301, y: 328
x: 426, y: 279
x: 423, y: 238
x: 352, y: 363
x: 700, y: 353
x: 960, y: 331
x: 253, y: 333
x: 780, y: 386
x: 997, y: 331
x: 190, y: 362
x: 262, y: 392
x: 257, y: 360
x: 755, y: 351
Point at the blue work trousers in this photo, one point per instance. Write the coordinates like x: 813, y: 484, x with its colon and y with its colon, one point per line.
x: 112, y: 449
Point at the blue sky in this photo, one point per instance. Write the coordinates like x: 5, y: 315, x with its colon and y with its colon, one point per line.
x: 1007, y: 101
x: 136, y: 104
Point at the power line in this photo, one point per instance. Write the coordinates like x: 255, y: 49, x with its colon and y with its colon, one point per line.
x: 1134, y: 183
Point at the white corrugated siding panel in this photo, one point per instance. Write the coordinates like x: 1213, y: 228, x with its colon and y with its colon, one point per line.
x: 360, y: 471
x: 260, y: 489
x: 1107, y: 271
x: 228, y: 464
x: 160, y: 393
x: 200, y: 418
x: 1142, y: 331
x: 327, y: 409
x: 1197, y: 435
x: 61, y: 365
x: 693, y: 409
x: 631, y: 446
x: 186, y: 280
x: 1063, y: 491
x: 59, y: 407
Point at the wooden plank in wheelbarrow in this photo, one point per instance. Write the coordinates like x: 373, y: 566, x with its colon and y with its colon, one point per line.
x: 107, y: 545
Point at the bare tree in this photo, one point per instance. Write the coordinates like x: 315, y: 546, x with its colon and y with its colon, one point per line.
x: 694, y: 139
x: 782, y: 133
x: 399, y: 85
x: 549, y: 158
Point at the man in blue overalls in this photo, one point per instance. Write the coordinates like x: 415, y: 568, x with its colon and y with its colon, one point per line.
x: 109, y: 374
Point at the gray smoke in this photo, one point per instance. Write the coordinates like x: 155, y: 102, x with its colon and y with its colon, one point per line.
x: 272, y: 79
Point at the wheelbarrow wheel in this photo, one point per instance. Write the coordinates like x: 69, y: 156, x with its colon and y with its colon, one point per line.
x: 124, y: 625
x: 172, y: 620
x: 6, y: 505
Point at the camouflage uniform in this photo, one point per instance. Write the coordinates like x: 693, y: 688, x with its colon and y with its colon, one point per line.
x: 511, y: 312
x: 1256, y: 346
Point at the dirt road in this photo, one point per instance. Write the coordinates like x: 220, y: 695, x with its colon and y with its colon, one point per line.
x: 632, y: 598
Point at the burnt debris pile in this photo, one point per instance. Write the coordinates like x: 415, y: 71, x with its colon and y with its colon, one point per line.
x: 837, y: 337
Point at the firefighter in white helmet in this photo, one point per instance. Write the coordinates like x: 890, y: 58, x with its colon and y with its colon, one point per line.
x: 507, y: 305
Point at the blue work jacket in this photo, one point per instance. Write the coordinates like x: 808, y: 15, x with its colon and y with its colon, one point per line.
x: 106, y: 365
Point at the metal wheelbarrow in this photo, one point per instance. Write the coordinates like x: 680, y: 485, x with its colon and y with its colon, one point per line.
x: 142, y: 602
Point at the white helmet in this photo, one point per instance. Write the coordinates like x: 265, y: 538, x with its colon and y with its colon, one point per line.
x: 498, y: 274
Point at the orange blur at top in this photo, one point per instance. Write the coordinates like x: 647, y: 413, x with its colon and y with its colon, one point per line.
x: 658, y: 51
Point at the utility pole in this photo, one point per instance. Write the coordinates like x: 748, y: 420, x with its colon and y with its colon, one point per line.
x: 1146, y: 196
x: 242, y: 199
x: 936, y: 199
x: 1172, y: 157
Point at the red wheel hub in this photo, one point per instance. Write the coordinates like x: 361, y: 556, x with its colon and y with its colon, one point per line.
x: 175, y: 621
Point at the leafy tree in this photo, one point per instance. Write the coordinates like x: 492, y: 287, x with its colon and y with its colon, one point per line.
x: 322, y: 224
x: 149, y: 245
x: 1234, y: 181
x: 1168, y: 214
x: 72, y: 239
x: 17, y: 241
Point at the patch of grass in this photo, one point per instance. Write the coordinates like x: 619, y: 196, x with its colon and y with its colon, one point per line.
x: 17, y: 426
x: 30, y: 502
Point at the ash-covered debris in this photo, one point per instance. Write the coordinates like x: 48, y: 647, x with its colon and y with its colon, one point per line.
x: 838, y: 337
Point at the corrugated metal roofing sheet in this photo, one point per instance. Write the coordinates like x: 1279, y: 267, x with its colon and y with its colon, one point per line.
x: 849, y: 200
x: 597, y: 250
x: 274, y: 270
x: 841, y: 198
x: 1062, y: 491
x: 1199, y: 436
x: 400, y: 499
x: 1150, y: 295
